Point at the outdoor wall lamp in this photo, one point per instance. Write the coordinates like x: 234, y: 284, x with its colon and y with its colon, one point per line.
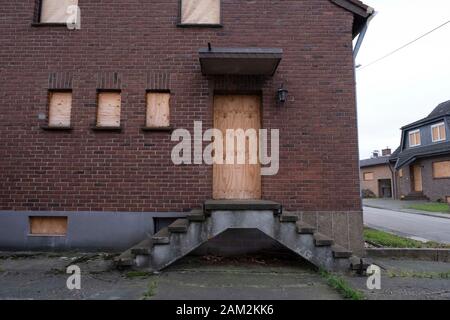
x: 282, y: 94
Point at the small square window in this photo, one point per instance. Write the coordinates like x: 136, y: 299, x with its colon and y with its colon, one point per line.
x: 414, y: 138
x: 55, y: 11
x: 200, y: 12
x: 48, y: 226
x: 158, y: 110
x: 108, y: 109
x: 59, y: 110
x: 368, y: 176
x: 438, y: 132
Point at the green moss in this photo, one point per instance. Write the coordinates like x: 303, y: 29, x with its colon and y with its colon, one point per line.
x: 151, y: 290
x: 422, y: 275
x: 389, y: 240
x: 341, y: 286
x: 431, y: 207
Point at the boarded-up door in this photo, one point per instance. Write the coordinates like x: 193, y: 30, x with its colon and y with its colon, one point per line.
x: 417, y: 172
x: 237, y: 181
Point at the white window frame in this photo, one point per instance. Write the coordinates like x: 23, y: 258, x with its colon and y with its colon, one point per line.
x: 437, y: 125
x: 410, y: 133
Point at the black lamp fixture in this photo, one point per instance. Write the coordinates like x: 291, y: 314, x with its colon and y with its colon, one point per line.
x: 282, y: 94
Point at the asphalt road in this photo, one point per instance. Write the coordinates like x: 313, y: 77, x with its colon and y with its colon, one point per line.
x: 408, y: 225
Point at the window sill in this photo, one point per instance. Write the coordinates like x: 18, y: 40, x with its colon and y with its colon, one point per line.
x: 53, y: 128
x: 157, y: 129
x: 193, y: 25
x: 99, y: 128
x: 49, y: 24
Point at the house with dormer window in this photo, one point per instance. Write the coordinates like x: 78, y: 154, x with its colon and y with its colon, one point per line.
x: 422, y: 162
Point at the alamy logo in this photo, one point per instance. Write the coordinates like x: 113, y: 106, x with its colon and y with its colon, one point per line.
x: 234, y: 146
x: 74, y: 280
x: 73, y: 20
x: 374, y: 279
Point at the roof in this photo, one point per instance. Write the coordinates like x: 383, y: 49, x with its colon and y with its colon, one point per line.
x: 441, y: 110
x: 360, y: 11
x: 410, y: 155
x: 374, y: 162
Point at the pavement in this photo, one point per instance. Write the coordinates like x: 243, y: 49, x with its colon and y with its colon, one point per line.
x: 402, y: 206
x: 42, y: 276
x: 414, y: 226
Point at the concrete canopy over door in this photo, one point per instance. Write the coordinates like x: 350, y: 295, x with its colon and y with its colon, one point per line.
x: 237, y: 181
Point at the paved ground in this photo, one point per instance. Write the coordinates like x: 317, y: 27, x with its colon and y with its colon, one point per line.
x: 414, y: 226
x: 209, y: 278
x: 403, y: 206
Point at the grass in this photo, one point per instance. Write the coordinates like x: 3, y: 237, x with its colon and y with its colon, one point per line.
x: 388, y: 240
x: 431, y: 207
x: 342, y: 286
x: 420, y: 275
x: 151, y: 290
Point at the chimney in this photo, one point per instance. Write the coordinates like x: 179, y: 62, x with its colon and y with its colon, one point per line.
x: 386, y: 152
x: 376, y: 154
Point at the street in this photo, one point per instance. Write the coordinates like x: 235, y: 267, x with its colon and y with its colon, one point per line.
x: 408, y: 225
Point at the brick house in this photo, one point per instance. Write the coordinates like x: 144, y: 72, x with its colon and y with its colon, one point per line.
x: 87, y: 116
x: 422, y: 162
x: 377, y: 175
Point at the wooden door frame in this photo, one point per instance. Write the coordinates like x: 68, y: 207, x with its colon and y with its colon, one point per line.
x: 413, y: 177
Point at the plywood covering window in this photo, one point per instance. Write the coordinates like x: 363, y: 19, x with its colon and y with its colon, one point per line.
x: 438, y: 132
x: 400, y: 173
x: 55, y: 11
x: 200, y: 12
x: 108, y: 109
x: 59, y: 109
x: 48, y: 226
x: 158, y: 110
x: 441, y: 169
x: 368, y: 176
x: 414, y: 138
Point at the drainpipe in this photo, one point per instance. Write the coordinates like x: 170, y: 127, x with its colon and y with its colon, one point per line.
x: 362, y: 35
x: 394, y: 182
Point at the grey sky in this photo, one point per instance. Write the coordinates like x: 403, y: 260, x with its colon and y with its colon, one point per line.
x: 408, y: 85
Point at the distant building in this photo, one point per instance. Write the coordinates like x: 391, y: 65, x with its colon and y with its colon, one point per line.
x: 422, y: 162
x: 377, y: 175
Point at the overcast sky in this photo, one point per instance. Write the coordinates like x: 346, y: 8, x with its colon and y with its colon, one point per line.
x: 408, y: 85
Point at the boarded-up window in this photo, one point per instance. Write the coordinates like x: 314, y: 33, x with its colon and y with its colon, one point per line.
x: 59, y: 110
x: 200, y: 11
x: 48, y: 226
x: 441, y: 169
x: 55, y: 11
x: 448, y: 199
x: 438, y: 132
x: 368, y: 176
x: 400, y: 173
x: 158, y: 110
x: 108, y: 111
x: 414, y: 138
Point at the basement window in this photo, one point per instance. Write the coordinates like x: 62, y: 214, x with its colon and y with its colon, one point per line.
x: 158, y: 110
x: 55, y: 11
x: 368, y: 176
x: 441, y: 170
x: 438, y: 132
x: 414, y: 138
x: 48, y: 226
x: 108, y: 109
x: 200, y: 13
x: 59, y: 109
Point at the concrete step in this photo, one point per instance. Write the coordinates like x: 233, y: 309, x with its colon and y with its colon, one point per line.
x: 288, y: 217
x: 304, y: 228
x: 179, y: 226
x: 340, y: 252
x: 125, y: 260
x: 321, y: 240
x: 196, y: 215
x: 162, y: 236
x: 143, y: 248
x: 242, y: 205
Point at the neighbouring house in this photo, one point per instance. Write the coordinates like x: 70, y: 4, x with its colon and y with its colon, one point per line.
x: 422, y: 162
x: 90, y: 116
x: 377, y: 175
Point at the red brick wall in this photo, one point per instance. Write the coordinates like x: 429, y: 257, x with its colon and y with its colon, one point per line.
x: 132, y: 170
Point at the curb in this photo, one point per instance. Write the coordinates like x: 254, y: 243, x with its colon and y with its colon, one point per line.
x: 437, y: 255
x: 443, y: 215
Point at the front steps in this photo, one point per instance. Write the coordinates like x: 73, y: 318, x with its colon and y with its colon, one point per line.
x: 185, y: 235
x: 414, y: 196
